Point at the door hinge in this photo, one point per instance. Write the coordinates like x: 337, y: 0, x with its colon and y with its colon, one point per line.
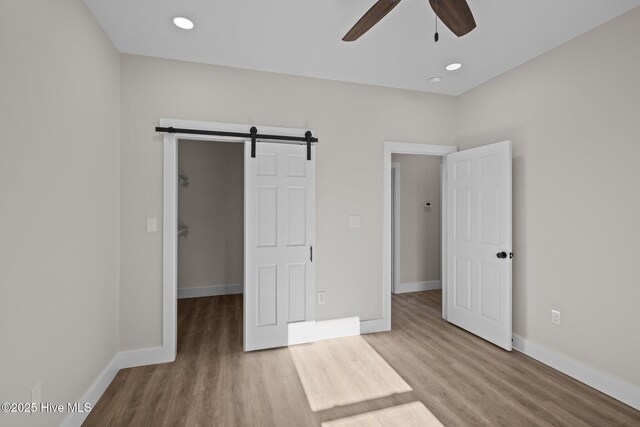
x: 311, y: 253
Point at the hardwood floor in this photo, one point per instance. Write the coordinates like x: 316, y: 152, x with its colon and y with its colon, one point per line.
x: 461, y: 379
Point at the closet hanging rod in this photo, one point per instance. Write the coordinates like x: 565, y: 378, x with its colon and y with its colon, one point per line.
x: 253, y: 135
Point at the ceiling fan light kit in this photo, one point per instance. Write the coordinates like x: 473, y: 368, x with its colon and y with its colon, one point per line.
x: 455, y: 14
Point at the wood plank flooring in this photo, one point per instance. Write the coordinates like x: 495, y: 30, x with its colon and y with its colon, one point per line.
x: 408, y: 415
x: 460, y: 379
x: 344, y: 371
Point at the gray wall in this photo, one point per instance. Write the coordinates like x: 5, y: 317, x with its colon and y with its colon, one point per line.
x: 420, y: 238
x: 212, y: 206
x: 59, y: 203
x: 351, y: 120
x: 574, y: 117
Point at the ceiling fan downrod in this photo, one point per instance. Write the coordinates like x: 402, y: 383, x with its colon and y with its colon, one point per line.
x: 436, y: 36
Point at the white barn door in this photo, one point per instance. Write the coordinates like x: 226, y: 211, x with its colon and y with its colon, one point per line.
x: 279, y: 281
x: 479, y: 241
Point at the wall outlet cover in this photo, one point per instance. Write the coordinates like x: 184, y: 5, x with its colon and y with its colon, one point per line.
x: 354, y: 221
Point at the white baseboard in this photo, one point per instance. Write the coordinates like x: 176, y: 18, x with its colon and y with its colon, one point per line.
x: 143, y: 357
x: 375, y: 325
x: 336, y: 328
x: 612, y: 386
x: 305, y: 332
x: 432, y: 285
x: 209, y: 291
x: 93, y: 393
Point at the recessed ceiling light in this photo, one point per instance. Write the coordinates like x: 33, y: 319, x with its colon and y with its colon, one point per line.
x: 435, y: 80
x: 454, y: 66
x: 182, y: 22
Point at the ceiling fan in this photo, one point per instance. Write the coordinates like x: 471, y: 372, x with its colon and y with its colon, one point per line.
x: 455, y: 14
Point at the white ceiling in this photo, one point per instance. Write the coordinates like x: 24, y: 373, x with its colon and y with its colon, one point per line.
x: 303, y: 37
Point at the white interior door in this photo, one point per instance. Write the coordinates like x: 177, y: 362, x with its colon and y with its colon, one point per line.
x: 479, y: 242
x: 279, y: 281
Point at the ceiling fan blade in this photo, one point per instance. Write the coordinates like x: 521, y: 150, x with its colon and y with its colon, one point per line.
x: 455, y: 14
x: 369, y: 19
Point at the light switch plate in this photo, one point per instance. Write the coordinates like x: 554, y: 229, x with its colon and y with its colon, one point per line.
x: 354, y: 221
x: 152, y: 225
x: 322, y: 297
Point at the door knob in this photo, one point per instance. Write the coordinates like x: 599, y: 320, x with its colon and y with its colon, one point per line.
x: 501, y: 255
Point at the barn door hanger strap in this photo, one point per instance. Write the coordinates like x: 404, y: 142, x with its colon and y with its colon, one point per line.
x: 307, y: 135
x: 254, y: 133
x: 307, y: 139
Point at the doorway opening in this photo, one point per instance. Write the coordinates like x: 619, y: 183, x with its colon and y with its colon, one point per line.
x: 210, y: 225
x: 391, y: 268
x: 210, y: 218
x: 416, y: 210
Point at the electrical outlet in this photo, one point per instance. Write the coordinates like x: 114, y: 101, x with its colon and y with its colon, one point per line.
x: 354, y: 221
x: 36, y: 394
x: 322, y: 297
x: 152, y: 225
x: 556, y: 317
